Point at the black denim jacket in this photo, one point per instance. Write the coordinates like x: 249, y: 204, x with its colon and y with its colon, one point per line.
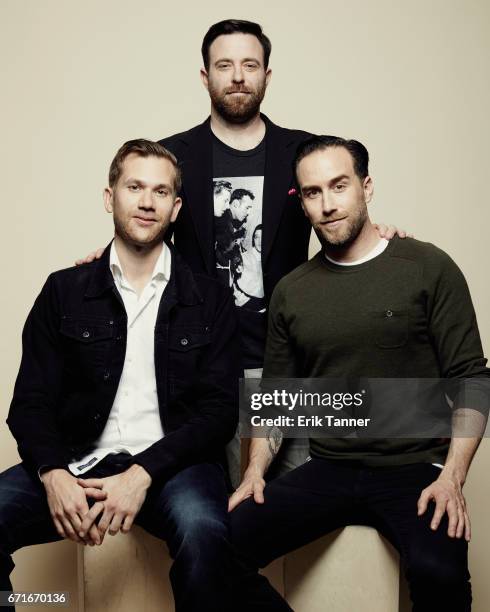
x: 74, y: 344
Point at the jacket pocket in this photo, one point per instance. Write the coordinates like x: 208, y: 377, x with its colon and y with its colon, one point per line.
x: 187, y: 350
x: 86, y: 341
x: 390, y: 327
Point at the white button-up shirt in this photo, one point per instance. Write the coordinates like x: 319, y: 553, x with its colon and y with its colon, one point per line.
x: 134, y: 421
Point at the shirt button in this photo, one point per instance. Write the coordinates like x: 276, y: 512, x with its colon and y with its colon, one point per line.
x: 86, y: 334
x: 107, y: 375
x: 389, y: 313
x: 184, y: 342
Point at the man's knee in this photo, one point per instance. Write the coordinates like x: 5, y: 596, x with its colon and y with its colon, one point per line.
x: 443, y: 574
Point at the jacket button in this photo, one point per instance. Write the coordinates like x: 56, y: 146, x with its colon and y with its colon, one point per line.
x: 389, y: 313
x: 184, y: 342
x: 106, y: 375
x: 118, y: 337
x: 96, y: 416
x: 86, y: 334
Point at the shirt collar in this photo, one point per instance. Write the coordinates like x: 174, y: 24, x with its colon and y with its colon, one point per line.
x: 161, y: 271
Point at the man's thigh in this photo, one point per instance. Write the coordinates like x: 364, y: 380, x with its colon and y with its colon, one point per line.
x: 299, y: 507
x: 24, y: 512
x: 192, y: 504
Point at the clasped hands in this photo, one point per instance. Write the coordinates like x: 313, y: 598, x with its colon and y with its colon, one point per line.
x: 118, y: 499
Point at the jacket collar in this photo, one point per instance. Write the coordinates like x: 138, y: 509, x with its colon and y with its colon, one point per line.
x: 197, y: 169
x: 181, y: 285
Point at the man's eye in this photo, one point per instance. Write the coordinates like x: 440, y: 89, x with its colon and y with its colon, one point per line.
x: 312, y: 193
x: 223, y: 66
x: 250, y: 66
x: 162, y: 192
x: 340, y: 187
x: 133, y: 187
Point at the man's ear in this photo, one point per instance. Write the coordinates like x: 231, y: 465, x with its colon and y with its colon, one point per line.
x: 205, y: 78
x: 368, y: 187
x: 175, y: 210
x: 268, y: 76
x: 108, y: 197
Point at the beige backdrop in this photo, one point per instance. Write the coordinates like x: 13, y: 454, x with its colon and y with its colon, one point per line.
x: 409, y: 79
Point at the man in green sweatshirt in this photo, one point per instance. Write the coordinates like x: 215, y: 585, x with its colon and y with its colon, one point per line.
x: 365, y: 307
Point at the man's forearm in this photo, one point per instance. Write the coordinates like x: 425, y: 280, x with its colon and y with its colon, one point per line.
x: 460, y: 454
x: 263, y: 451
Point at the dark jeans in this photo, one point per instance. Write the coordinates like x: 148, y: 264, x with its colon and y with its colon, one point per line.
x: 189, y: 512
x: 321, y: 496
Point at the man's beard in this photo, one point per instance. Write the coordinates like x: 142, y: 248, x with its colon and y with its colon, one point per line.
x: 126, y: 233
x: 237, y: 109
x: 337, y: 242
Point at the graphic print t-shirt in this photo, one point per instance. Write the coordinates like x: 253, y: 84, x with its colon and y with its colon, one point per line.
x: 238, y: 186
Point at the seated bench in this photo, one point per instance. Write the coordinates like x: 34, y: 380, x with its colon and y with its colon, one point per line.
x: 350, y: 569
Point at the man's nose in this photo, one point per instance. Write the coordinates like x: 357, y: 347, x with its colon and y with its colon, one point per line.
x: 146, y: 200
x: 238, y: 74
x: 328, y: 203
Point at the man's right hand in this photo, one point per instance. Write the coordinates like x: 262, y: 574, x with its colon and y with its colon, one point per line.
x: 90, y: 257
x: 252, y: 485
x: 67, y: 502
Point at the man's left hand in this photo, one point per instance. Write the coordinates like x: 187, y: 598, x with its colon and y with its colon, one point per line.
x: 390, y: 231
x: 448, y: 496
x: 126, y: 493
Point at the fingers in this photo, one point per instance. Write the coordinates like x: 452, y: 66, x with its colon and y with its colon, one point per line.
x: 104, y: 522
x: 90, y: 517
x: 85, y: 260
x: 439, y: 513
x: 59, y: 527
x: 423, y: 501
x: 128, y: 523
x: 115, y: 525
x: 392, y: 231
x: 90, y: 257
x: 381, y: 227
x: 467, y: 526
x: 258, y: 492
x: 97, y: 494
x: 91, y: 483
x: 454, y: 515
x: 236, y: 499
x: 69, y: 530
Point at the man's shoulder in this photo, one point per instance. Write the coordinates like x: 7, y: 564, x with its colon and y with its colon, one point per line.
x: 68, y: 279
x: 176, y: 141
x: 288, y: 134
x: 425, y: 253
x: 433, y: 262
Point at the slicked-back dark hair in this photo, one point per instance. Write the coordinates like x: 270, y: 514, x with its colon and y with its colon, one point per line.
x: 143, y: 148
x: 359, y: 153
x: 234, y: 26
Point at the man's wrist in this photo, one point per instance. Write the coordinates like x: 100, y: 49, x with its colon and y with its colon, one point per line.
x: 254, y: 470
x: 142, y: 474
x: 49, y: 471
x: 454, y: 473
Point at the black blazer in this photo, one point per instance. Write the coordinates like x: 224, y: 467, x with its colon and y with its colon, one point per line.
x: 74, y: 344
x: 286, y: 231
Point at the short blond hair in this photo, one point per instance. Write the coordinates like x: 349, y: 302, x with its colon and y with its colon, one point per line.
x: 143, y: 148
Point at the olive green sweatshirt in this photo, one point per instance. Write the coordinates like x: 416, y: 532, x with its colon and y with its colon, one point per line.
x: 406, y: 313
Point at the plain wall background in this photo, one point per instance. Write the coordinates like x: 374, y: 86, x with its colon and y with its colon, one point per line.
x: 410, y: 80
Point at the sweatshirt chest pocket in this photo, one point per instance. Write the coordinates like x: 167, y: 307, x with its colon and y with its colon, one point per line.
x: 390, y: 327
